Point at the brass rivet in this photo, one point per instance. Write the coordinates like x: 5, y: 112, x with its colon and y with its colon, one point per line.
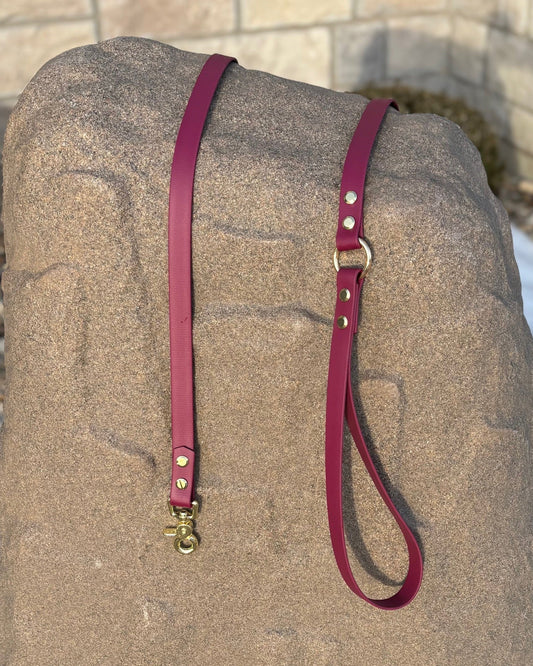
x: 348, y: 222
x: 350, y: 197
x: 182, y: 461
x: 344, y: 294
x: 342, y: 322
x: 181, y: 484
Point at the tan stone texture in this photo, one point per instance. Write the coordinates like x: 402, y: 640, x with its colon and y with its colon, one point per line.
x: 303, y: 54
x: 4, y: 115
x: 25, y: 48
x: 417, y: 44
x: 359, y: 54
x: 510, y: 67
x: 261, y: 14
x: 367, y: 8
x: 521, y: 128
x: 165, y: 18
x: 508, y: 14
x: 442, y: 375
x: 520, y: 160
x: 468, y: 47
x: 22, y: 10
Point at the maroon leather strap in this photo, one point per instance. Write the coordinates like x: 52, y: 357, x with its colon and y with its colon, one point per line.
x: 354, y: 172
x: 179, y: 277
x: 339, y: 401
x: 339, y: 391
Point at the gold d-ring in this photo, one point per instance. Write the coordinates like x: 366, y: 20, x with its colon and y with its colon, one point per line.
x: 368, y: 260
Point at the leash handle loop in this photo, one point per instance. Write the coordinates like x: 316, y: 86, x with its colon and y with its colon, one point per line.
x: 339, y: 401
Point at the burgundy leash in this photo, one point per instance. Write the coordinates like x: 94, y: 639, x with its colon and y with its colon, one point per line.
x: 339, y: 402
x: 339, y: 399
x: 180, y: 502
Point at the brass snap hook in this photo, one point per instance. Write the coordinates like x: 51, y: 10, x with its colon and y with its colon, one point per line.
x: 185, y: 541
x: 193, y: 544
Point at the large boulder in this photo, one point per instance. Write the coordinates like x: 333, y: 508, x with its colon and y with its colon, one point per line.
x: 441, y: 372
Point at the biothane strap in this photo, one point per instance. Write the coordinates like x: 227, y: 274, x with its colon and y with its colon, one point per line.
x: 180, y: 502
x: 339, y: 400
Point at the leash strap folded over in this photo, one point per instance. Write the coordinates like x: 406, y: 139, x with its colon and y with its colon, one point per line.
x: 339, y: 401
x: 339, y: 391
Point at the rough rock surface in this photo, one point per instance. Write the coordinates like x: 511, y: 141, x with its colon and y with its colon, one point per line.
x: 442, y: 376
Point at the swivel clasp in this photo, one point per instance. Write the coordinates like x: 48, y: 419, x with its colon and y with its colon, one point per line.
x: 185, y: 541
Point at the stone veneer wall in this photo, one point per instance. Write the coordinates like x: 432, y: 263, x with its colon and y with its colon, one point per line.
x: 481, y: 50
